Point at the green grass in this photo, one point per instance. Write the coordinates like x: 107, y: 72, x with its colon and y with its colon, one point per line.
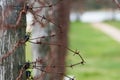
x: 114, y: 23
x: 28, y: 52
x: 101, y: 53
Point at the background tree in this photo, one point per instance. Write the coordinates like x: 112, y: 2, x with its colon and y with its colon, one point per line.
x: 58, y: 53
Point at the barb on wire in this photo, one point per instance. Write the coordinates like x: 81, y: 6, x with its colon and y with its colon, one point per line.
x: 60, y: 44
x: 49, y: 20
x: 26, y: 8
x: 52, y: 35
x: 42, y: 61
x: 47, y: 70
x: 22, y: 70
x: 12, y: 51
x: 56, y: 66
x: 17, y: 44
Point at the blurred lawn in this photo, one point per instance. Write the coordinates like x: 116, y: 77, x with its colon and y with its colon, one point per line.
x: 114, y: 23
x: 101, y: 53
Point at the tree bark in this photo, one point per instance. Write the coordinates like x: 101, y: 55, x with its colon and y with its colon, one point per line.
x: 9, y: 67
x: 58, y: 53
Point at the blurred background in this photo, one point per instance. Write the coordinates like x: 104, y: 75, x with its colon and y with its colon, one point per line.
x: 100, y: 51
x: 94, y: 10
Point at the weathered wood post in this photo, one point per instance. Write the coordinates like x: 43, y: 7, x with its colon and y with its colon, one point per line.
x: 9, y: 67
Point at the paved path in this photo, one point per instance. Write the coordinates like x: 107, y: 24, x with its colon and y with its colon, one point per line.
x: 109, y: 30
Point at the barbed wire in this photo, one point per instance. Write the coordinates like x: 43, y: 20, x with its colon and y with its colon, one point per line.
x: 24, y: 10
x: 60, y: 44
x: 40, y: 61
x: 19, y: 43
x: 23, y: 41
x: 22, y: 70
x: 47, y: 68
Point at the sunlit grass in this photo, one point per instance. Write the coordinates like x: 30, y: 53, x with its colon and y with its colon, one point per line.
x: 100, y: 52
x: 28, y: 52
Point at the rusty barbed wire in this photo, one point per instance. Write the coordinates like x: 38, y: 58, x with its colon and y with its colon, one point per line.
x: 51, y: 21
x: 19, y: 43
x: 47, y: 68
x: 22, y: 70
x: 48, y: 71
x: 60, y: 44
x: 40, y: 61
x: 26, y: 8
x: 22, y: 41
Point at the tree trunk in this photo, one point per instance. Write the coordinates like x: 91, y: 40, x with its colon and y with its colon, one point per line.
x: 59, y: 52
x: 10, y: 66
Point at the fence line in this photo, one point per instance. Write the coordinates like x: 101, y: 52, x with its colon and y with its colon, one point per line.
x: 48, y: 68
